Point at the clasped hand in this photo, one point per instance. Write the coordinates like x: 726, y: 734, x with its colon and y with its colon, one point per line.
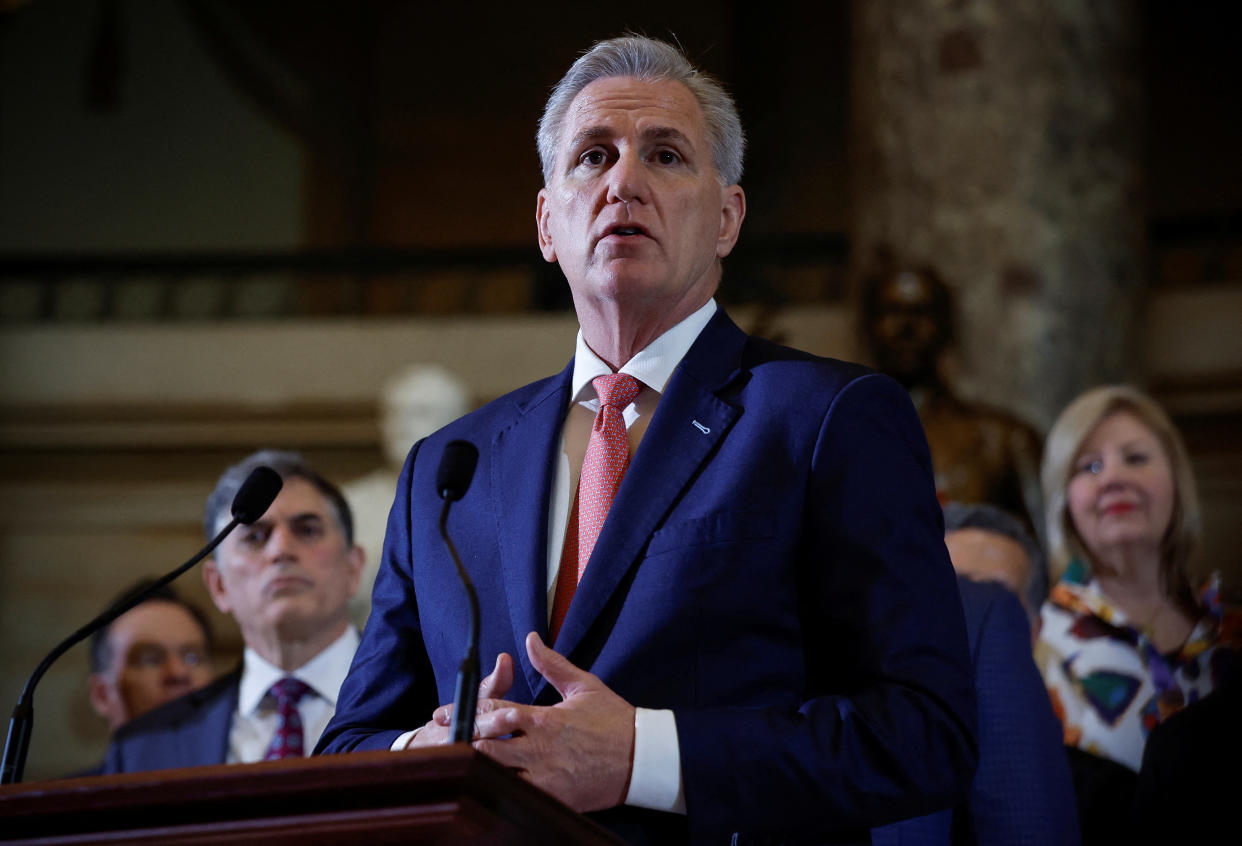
x: 580, y: 750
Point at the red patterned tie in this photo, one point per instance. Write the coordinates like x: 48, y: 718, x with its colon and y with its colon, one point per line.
x: 607, y: 456
x: 287, y: 742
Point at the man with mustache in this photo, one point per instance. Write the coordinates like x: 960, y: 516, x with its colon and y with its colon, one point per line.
x: 287, y: 580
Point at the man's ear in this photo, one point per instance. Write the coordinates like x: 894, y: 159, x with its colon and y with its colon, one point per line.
x: 215, y: 586
x: 99, y: 691
x: 732, y: 213
x: 357, y: 559
x: 543, y: 226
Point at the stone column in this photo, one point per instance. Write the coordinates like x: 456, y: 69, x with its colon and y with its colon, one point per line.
x: 999, y: 140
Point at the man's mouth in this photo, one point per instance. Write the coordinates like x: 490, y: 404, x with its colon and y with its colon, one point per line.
x: 286, y: 584
x: 625, y: 231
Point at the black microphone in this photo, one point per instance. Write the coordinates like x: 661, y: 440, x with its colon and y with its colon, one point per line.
x: 255, y: 496
x: 253, y: 499
x: 452, y: 480
x: 456, y: 470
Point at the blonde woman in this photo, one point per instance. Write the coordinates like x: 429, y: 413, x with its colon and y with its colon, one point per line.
x: 1125, y: 640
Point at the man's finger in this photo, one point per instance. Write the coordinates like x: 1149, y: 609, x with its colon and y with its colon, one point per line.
x: 444, y: 714
x: 501, y: 721
x: 511, y: 753
x: 497, y: 683
x: 555, y: 667
x: 429, y: 735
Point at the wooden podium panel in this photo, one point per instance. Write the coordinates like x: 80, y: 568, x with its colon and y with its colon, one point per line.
x: 447, y: 794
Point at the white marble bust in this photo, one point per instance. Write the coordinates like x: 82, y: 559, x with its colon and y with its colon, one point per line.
x: 414, y: 403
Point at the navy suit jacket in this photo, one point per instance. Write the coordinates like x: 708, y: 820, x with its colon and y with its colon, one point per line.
x: 187, y: 732
x: 773, y: 570
x: 1023, y: 792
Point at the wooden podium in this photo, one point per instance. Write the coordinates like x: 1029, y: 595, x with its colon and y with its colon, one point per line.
x: 447, y: 794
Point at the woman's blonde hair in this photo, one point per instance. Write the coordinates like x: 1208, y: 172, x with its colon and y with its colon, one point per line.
x: 1073, y: 426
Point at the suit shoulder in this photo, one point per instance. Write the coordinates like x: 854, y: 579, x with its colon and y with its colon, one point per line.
x: 505, y: 406
x: 767, y: 360
x: 184, y: 709
x: 991, y: 606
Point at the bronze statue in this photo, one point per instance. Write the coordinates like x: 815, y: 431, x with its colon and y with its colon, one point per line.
x: 979, y: 453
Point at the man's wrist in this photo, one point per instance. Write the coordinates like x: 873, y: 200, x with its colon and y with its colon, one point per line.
x: 403, y: 741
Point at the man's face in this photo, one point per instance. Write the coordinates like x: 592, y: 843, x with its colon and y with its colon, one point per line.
x: 289, y: 575
x: 985, y: 556
x: 905, y: 333
x: 158, y: 651
x: 634, y: 212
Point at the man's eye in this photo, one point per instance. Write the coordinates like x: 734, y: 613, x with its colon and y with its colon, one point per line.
x: 667, y: 157
x: 308, y: 526
x: 255, y: 537
x: 148, y: 658
x: 592, y: 157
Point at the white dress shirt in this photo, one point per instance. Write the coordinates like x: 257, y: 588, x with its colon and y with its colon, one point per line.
x: 254, y: 722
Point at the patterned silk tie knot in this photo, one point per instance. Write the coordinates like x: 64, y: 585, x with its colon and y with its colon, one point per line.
x: 607, y: 457
x: 287, y: 742
x: 603, y: 466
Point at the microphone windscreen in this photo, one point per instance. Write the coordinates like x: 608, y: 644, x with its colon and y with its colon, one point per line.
x: 256, y: 495
x: 456, y: 470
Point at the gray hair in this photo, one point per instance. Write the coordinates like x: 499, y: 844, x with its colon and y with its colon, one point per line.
x: 989, y: 518
x: 649, y: 60
x: 288, y: 465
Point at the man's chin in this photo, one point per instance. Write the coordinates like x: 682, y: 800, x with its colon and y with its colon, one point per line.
x: 288, y: 609
x: 298, y: 620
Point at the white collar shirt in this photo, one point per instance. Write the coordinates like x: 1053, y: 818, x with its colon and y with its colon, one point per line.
x: 653, y: 366
x: 254, y: 721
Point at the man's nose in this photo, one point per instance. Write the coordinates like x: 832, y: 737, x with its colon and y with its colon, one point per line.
x: 627, y: 179
x: 176, y: 669
x: 280, y: 544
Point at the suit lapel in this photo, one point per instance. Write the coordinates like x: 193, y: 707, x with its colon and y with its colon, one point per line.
x: 205, y: 736
x: 525, y: 456
x: 689, y: 423
x: 219, y: 723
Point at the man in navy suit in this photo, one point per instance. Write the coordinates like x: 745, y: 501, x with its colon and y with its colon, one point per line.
x: 1023, y: 792
x: 286, y: 579
x: 765, y: 639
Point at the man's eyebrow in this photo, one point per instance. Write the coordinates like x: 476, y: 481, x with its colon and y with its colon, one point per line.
x: 139, y: 647
x: 663, y: 133
x: 651, y: 133
x: 146, y: 644
x: 591, y: 133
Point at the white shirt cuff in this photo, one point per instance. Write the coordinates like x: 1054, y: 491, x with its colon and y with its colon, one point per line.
x: 655, y: 778
x: 403, y: 741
